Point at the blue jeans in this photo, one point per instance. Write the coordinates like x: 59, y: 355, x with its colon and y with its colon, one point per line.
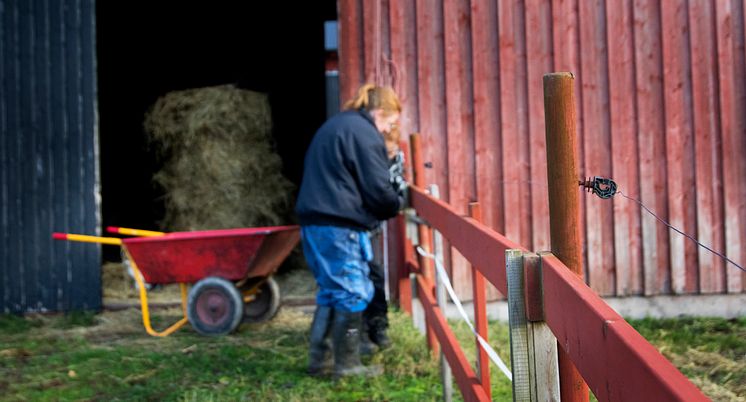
x: 338, y: 258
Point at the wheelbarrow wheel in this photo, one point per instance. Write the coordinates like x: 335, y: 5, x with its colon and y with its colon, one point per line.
x: 214, y: 306
x: 265, y: 304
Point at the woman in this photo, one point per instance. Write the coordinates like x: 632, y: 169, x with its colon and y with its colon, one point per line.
x: 346, y: 191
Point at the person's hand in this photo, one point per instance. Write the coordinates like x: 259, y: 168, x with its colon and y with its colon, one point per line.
x: 396, y: 177
x: 391, y: 139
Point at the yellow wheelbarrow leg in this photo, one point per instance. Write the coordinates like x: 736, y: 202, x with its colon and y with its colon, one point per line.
x: 144, y: 303
x: 250, y: 294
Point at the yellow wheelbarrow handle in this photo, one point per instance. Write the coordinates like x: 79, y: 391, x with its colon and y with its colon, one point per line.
x: 87, y: 239
x: 138, y: 277
x: 134, y: 232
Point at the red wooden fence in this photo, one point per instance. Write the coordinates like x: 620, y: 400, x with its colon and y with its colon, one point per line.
x: 617, y: 362
x: 660, y: 93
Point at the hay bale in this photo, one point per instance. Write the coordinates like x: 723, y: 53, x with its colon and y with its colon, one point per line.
x: 219, y: 168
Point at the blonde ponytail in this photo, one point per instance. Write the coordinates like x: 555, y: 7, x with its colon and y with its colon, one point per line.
x: 371, y: 97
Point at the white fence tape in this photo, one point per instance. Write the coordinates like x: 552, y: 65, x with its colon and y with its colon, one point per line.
x: 486, y: 346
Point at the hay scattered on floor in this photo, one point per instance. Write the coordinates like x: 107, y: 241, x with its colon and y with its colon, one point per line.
x: 119, y: 288
x: 219, y: 167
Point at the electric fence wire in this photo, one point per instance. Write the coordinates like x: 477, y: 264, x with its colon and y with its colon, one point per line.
x: 638, y: 202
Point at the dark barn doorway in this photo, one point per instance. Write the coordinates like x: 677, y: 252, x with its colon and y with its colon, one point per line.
x: 146, y: 49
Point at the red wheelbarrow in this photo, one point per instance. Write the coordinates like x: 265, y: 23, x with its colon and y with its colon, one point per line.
x: 230, y: 271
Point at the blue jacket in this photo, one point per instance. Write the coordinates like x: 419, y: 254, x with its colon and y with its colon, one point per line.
x: 346, y: 175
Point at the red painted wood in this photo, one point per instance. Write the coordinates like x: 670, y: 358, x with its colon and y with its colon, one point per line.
x: 371, y: 21
x: 431, y: 89
x: 399, y: 285
x: 467, y: 381
x: 483, y: 247
x: 708, y: 163
x: 351, y: 73
x: 428, y: 271
x: 387, y: 67
x: 487, y: 135
x: 624, y: 156
x: 730, y: 28
x: 403, y: 285
x: 564, y: 202
x: 480, y: 313
x: 565, y: 23
x: 532, y: 293
x: 513, y: 105
x: 411, y: 258
x: 404, y: 63
x: 617, y: 362
x: 424, y: 234
x: 460, y: 128
x: 502, y: 62
x: 186, y: 257
x: 405, y: 296
x: 597, y: 146
x: 397, y: 267
x: 539, y: 62
x: 677, y: 89
x: 651, y: 145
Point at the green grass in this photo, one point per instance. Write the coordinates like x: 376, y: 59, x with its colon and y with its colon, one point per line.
x: 710, y: 351
x: 109, y: 357
x: 45, y: 358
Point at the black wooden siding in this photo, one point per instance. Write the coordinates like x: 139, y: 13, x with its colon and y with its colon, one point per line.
x: 48, y: 155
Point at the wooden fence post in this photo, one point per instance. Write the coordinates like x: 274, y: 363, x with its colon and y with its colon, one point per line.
x: 423, y: 233
x: 480, y: 313
x: 518, y: 332
x: 542, y: 345
x: 533, y: 347
x: 399, y: 282
x: 440, y: 295
x: 564, y: 210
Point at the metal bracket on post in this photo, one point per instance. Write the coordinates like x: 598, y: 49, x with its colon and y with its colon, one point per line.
x: 533, y: 347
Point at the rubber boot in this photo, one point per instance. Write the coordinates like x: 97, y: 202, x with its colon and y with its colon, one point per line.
x: 377, y: 332
x: 320, y: 361
x: 367, y: 348
x: 346, y: 336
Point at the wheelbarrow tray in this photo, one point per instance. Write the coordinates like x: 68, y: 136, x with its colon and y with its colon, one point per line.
x: 232, y: 254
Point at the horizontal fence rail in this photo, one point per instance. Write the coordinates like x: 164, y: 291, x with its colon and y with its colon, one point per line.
x: 615, y: 360
x: 465, y: 377
x: 482, y: 246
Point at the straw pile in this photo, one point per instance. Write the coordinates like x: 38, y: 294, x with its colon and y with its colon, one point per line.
x: 219, y: 169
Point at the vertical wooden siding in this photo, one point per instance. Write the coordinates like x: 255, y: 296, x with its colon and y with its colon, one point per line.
x: 677, y: 87
x: 661, y: 108
x: 48, y: 155
x: 624, y: 158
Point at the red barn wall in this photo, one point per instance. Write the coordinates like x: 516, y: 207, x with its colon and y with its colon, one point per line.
x: 661, y: 109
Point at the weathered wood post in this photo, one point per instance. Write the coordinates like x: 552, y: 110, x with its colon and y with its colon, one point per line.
x: 480, y: 313
x: 518, y: 332
x: 533, y: 347
x: 564, y: 210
